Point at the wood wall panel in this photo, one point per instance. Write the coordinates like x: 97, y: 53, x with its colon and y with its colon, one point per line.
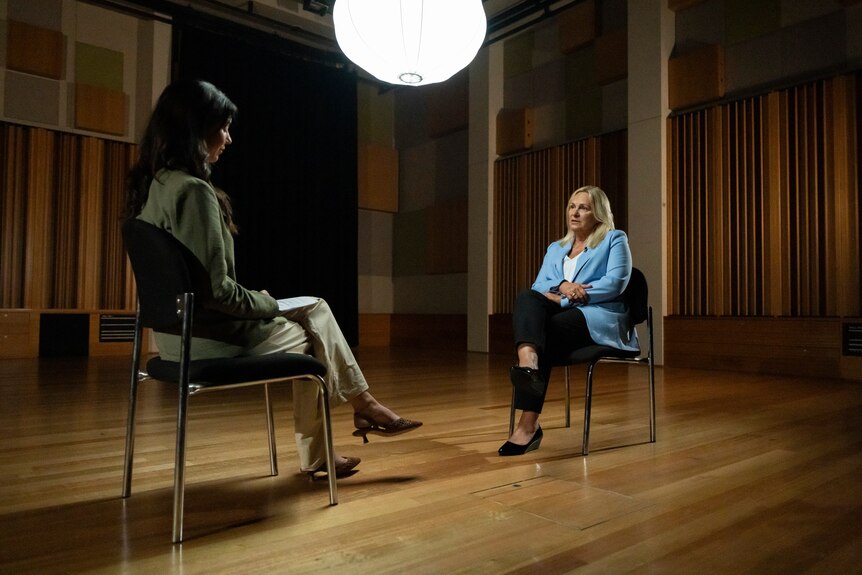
x: 34, y: 50
x: 514, y: 130
x: 62, y: 197
x: 13, y: 215
x: 764, y: 205
x: 91, y: 194
x: 792, y: 346
x: 375, y: 329
x: 611, y: 56
x: 118, y: 158
x: 429, y: 331
x: 777, y: 223
x: 19, y: 333
x: 66, y: 234
x: 38, y: 235
x: 100, y: 109
x: 578, y: 26
x: 696, y: 77
x: 848, y: 208
x: 378, y: 178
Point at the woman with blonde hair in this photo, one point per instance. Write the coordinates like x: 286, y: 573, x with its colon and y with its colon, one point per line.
x: 574, y: 302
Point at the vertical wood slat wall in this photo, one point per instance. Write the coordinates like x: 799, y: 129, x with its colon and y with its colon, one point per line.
x: 61, y: 197
x: 530, y: 193
x: 763, y: 201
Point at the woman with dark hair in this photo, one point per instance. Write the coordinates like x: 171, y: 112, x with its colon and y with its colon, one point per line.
x: 574, y: 302
x: 170, y: 187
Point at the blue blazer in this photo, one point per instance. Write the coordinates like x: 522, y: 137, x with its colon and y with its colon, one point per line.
x: 607, y: 267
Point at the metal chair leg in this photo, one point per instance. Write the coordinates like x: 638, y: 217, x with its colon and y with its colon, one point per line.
x: 651, y: 379
x: 180, y: 464
x: 588, y: 401
x: 132, y: 411
x: 568, y: 399
x: 512, y: 414
x: 185, y: 303
x: 327, y: 432
x: 270, y: 429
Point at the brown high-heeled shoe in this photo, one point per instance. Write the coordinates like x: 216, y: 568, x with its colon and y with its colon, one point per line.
x: 365, y: 424
x: 343, y: 469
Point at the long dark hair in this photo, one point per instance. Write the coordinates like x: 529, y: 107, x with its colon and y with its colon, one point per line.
x: 187, y: 113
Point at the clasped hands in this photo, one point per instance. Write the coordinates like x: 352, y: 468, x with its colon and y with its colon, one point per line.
x: 574, y: 292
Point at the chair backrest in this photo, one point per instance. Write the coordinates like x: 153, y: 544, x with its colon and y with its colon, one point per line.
x: 636, y: 296
x: 160, y: 264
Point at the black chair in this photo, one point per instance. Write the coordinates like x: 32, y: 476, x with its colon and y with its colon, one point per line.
x: 165, y: 272
x: 636, y: 296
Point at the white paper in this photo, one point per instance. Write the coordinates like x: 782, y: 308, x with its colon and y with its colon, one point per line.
x: 291, y: 303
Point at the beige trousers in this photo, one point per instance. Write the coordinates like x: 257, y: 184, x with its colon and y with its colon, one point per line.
x: 313, y: 330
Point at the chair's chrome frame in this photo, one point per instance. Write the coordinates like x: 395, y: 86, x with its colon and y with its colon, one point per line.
x: 185, y: 306
x: 647, y: 360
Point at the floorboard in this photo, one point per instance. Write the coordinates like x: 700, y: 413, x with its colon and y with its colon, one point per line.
x: 749, y: 474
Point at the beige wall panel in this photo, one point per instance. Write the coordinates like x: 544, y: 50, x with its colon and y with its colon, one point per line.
x: 31, y: 98
x: 42, y: 13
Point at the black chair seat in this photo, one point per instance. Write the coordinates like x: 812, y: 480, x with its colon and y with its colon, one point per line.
x: 591, y: 353
x: 224, y: 371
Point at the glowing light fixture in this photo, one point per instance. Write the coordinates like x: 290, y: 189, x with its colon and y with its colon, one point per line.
x: 410, y: 42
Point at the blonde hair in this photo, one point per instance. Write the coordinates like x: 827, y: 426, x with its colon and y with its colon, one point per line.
x: 601, y: 211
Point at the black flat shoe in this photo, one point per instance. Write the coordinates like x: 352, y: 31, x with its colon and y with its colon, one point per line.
x: 510, y: 448
x: 528, y: 380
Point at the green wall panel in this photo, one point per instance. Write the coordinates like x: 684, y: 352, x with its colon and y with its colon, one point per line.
x: 409, y: 254
x: 747, y: 19
x: 97, y: 66
x: 518, y: 55
x: 581, y: 69
x: 584, y: 113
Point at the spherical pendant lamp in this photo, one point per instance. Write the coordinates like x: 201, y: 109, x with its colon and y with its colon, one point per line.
x: 410, y: 42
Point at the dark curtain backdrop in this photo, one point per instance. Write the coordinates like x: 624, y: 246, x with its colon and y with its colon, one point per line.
x: 291, y: 170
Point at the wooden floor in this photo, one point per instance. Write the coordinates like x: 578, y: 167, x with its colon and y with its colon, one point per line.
x: 750, y: 474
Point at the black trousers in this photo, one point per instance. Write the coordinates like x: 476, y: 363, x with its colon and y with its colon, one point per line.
x: 553, y: 330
